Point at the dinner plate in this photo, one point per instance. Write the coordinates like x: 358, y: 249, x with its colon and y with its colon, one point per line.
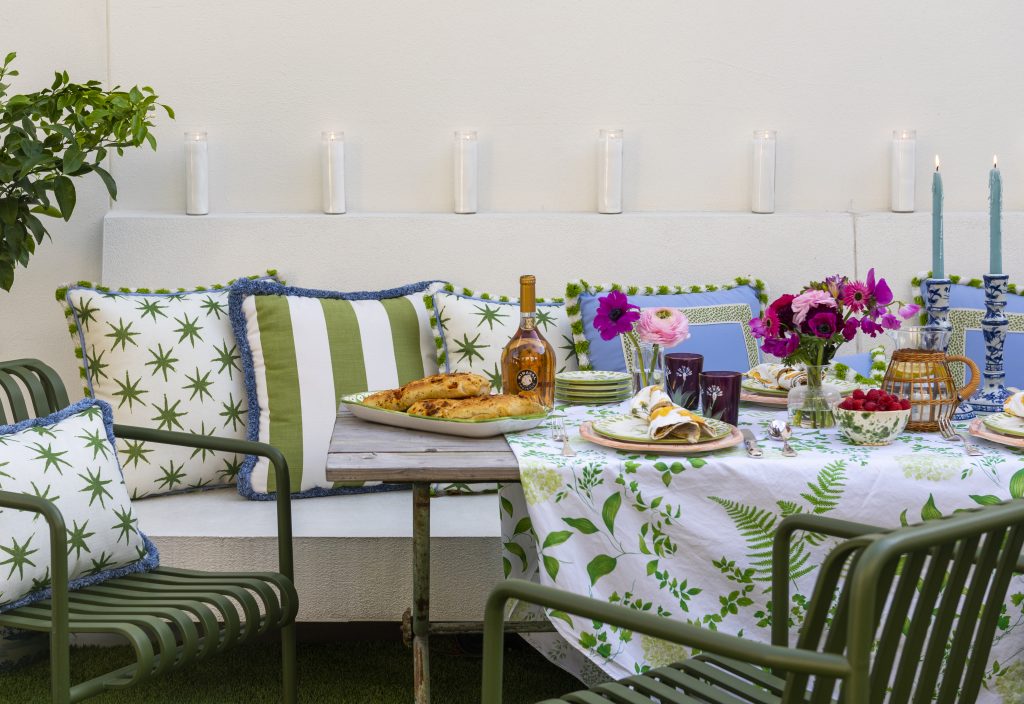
x: 445, y: 426
x: 733, y: 438
x: 763, y: 399
x: 749, y: 385
x: 583, y: 391
x: 591, y: 399
x: 626, y: 428
x: 1005, y: 424
x: 593, y: 376
x: 979, y: 430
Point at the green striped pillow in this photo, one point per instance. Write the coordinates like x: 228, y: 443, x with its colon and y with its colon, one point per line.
x: 302, y: 350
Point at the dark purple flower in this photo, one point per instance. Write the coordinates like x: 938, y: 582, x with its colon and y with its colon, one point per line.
x: 850, y: 329
x: 870, y: 326
x: 890, y: 322
x: 781, y: 346
x: 823, y: 324
x: 615, y: 315
x: 880, y: 291
x: 781, y: 311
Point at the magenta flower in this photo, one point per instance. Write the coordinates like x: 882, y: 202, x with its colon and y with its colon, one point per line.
x: 760, y: 328
x: 663, y: 326
x: 855, y: 296
x: 808, y: 300
x: 890, y: 322
x: 850, y: 329
x: 781, y: 311
x: 909, y: 311
x: 615, y: 315
x: 823, y: 324
x: 880, y: 291
x: 870, y: 327
x: 781, y: 346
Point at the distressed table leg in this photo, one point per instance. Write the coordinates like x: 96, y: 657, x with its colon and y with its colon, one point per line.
x: 421, y: 591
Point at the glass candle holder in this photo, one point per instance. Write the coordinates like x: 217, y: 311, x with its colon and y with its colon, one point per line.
x: 762, y: 189
x: 333, y: 171
x: 197, y: 177
x: 904, y: 153
x: 682, y: 378
x: 720, y: 395
x: 609, y: 171
x: 465, y: 185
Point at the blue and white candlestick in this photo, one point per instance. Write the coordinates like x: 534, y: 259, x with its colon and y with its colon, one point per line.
x: 936, y: 301
x: 993, y: 393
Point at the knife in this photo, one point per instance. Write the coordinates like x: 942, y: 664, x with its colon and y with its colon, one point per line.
x: 750, y: 441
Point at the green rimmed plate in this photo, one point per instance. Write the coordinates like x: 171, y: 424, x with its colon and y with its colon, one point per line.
x: 587, y: 391
x: 845, y: 387
x: 1005, y: 424
x: 593, y: 377
x: 445, y: 426
x: 630, y: 429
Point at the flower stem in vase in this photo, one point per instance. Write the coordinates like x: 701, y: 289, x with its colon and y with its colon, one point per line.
x: 810, y: 406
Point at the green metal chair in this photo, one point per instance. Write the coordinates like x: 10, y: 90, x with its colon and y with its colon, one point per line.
x: 171, y: 617
x: 879, y: 626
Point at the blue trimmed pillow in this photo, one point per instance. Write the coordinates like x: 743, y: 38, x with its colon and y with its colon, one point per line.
x: 719, y: 321
x: 70, y: 459
x: 302, y: 350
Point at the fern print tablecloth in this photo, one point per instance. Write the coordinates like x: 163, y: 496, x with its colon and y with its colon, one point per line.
x: 689, y: 536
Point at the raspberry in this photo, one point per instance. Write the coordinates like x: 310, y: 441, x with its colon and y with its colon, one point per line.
x: 870, y: 406
x: 858, y: 394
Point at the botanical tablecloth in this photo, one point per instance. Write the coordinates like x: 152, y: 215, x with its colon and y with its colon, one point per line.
x: 689, y: 536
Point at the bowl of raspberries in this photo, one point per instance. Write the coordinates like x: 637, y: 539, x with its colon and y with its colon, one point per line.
x: 872, y: 417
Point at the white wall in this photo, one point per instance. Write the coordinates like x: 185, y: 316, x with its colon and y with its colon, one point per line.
x: 688, y: 81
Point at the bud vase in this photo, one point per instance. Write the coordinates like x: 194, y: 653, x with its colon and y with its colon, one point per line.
x: 647, y: 366
x: 811, y: 406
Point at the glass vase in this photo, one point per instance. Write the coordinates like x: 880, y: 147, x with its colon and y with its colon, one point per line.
x: 810, y: 406
x: 648, y: 366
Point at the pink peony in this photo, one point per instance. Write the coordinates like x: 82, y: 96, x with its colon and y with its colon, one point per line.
x: 663, y: 326
x: 814, y: 298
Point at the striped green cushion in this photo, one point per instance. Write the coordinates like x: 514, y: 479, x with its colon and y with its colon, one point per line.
x: 302, y: 351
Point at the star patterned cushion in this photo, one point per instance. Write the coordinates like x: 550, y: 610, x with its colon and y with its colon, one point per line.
x: 165, y: 360
x: 69, y: 459
x: 471, y: 330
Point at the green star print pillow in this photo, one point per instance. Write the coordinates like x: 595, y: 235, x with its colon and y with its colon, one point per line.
x: 471, y: 329
x: 165, y: 360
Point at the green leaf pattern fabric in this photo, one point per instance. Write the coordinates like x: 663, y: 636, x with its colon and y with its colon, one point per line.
x: 71, y: 463
x: 690, y: 536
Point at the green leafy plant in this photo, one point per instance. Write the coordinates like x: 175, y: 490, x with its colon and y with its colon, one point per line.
x: 52, y: 136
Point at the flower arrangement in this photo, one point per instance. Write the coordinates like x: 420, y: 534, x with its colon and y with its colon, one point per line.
x: 660, y: 327
x: 810, y: 327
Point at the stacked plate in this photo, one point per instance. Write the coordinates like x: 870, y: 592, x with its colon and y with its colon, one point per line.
x: 593, y: 387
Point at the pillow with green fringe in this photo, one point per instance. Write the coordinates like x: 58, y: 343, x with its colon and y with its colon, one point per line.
x: 167, y: 360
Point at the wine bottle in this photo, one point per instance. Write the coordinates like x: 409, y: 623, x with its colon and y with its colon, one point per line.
x: 528, y: 360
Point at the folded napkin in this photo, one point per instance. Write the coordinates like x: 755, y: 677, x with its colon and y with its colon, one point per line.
x: 665, y: 419
x: 1015, y: 405
x: 773, y: 375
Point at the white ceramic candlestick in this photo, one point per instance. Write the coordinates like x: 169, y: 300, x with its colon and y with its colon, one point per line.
x: 904, y: 151
x: 762, y: 191
x: 465, y: 171
x: 333, y: 164
x: 197, y: 179
x: 609, y: 171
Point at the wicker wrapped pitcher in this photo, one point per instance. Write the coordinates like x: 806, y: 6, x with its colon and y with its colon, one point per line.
x: 919, y: 371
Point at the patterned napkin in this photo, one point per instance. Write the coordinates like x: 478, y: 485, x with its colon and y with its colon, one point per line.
x: 772, y: 375
x: 1015, y: 405
x: 665, y: 419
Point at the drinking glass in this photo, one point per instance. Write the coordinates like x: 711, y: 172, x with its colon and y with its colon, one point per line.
x: 720, y: 395
x: 682, y: 378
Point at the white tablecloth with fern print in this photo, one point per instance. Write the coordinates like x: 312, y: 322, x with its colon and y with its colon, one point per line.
x: 689, y: 537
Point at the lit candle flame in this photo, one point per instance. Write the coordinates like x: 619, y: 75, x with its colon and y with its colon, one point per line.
x: 995, y: 162
x: 936, y: 162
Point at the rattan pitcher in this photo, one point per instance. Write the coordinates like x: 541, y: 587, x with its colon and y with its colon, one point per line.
x: 919, y: 371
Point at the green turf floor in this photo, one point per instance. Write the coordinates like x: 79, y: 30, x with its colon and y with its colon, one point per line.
x: 367, y: 672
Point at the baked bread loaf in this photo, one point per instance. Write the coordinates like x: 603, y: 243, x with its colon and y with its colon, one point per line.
x: 438, y: 386
x: 477, y: 408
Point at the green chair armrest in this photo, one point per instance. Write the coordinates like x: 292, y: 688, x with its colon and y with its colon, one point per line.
x: 59, y: 639
x: 781, y: 658
x: 245, y: 447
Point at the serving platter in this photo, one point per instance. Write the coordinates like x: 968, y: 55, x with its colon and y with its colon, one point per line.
x: 978, y: 430
x: 588, y: 433
x: 445, y: 426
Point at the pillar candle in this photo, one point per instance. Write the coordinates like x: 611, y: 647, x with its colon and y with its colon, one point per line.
x: 609, y: 171
x: 904, y: 147
x: 197, y: 180
x: 333, y: 166
x: 938, y: 256
x: 465, y: 171
x: 995, y: 219
x: 762, y: 191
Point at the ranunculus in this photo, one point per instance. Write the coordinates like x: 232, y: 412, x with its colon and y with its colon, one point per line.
x: 781, y: 312
x: 663, y: 326
x: 615, y: 315
x: 855, y: 296
x: 781, y: 346
x: 807, y: 300
x: 880, y: 291
x: 909, y: 311
x: 823, y: 324
x: 850, y: 329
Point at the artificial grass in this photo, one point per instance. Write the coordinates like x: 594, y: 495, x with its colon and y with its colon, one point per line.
x: 367, y: 672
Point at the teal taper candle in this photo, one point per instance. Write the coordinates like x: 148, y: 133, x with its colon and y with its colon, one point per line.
x: 995, y: 219
x: 938, y: 257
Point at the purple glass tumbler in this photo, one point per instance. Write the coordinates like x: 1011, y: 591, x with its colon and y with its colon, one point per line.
x: 720, y: 395
x: 682, y: 378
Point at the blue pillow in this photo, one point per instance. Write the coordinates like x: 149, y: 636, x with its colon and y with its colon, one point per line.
x: 719, y: 322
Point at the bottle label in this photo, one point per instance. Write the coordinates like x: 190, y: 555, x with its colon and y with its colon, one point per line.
x: 527, y: 380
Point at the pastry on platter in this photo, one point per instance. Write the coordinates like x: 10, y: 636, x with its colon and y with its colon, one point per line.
x: 477, y: 408
x: 438, y: 386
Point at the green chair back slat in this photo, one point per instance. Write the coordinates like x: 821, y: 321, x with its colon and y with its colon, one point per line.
x: 46, y: 389
x: 910, y: 569
x: 15, y: 398
x: 36, y: 391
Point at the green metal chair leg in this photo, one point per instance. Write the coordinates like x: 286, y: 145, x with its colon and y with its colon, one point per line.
x: 289, y: 666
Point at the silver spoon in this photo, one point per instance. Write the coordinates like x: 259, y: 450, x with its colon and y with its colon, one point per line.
x: 782, y: 430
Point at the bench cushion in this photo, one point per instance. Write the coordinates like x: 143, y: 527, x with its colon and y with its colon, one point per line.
x: 70, y: 459
x: 302, y: 350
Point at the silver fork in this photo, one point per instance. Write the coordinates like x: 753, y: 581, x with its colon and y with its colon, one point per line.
x: 949, y: 433
x: 561, y: 434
